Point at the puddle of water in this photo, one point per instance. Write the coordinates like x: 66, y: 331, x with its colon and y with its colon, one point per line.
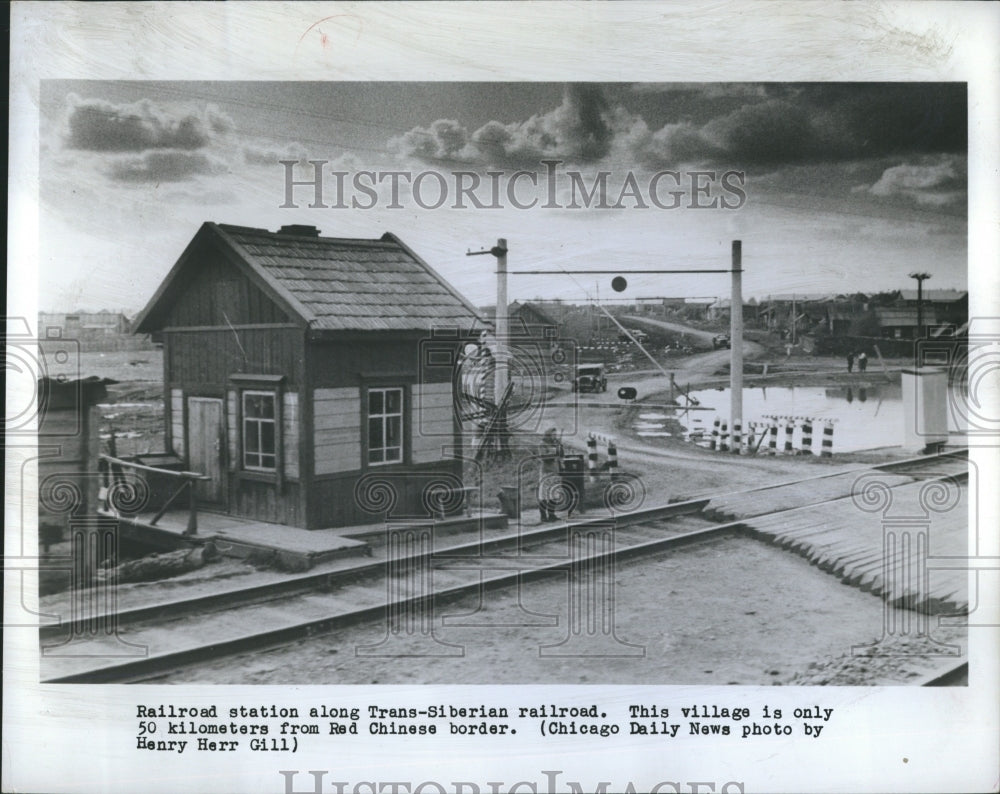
x: 864, y: 417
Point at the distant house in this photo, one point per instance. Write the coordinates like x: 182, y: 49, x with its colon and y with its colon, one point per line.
x: 93, y: 331
x: 61, y: 325
x: 949, y: 309
x: 721, y: 309
x: 298, y: 368
x: 528, y: 317
x: 534, y: 316
x: 941, y: 312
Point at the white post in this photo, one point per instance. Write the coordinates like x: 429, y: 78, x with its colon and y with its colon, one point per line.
x: 500, y: 383
x: 736, y: 339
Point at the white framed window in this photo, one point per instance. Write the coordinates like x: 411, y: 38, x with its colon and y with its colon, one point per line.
x: 385, y: 426
x: 260, y: 441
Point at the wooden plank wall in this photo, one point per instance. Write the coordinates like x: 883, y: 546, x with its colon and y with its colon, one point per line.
x: 432, y: 422
x: 219, y: 294
x: 208, y: 357
x: 177, y: 421
x: 290, y: 434
x: 336, y: 430
x: 260, y: 500
x: 232, y: 430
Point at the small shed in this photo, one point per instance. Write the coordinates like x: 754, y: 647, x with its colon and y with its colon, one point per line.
x: 295, y: 365
x: 69, y: 445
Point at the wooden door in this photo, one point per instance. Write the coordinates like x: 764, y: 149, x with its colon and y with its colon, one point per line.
x: 206, y: 446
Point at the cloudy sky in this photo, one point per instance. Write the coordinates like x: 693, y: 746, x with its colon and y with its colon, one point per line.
x: 848, y: 187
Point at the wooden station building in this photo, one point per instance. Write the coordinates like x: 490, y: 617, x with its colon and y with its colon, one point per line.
x: 297, y: 365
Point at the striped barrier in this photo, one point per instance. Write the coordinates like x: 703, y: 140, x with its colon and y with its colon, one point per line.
x: 737, y: 438
x: 807, y: 437
x: 724, y: 438
x: 612, y: 458
x: 592, y: 457
x: 715, y: 434
x: 789, y: 430
x: 772, y: 442
x: 827, y: 450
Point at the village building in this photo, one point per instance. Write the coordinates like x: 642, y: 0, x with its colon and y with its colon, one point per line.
x: 527, y: 318
x: 943, y: 312
x: 68, y: 437
x: 296, y: 365
x: 93, y: 331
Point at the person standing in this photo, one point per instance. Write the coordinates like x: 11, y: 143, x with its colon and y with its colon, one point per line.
x: 862, y: 362
x: 850, y: 361
x: 549, y: 451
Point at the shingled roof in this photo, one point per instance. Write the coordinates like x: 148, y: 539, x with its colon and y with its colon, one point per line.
x: 334, y: 283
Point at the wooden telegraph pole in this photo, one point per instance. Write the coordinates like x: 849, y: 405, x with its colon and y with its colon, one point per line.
x: 736, y: 339
x: 495, y: 431
x: 502, y: 376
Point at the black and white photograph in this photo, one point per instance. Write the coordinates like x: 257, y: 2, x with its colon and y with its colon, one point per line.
x: 379, y: 422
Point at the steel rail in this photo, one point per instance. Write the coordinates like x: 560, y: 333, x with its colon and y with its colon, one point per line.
x: 311, y: 581
x: 170, y: 661
x: 152, y: 666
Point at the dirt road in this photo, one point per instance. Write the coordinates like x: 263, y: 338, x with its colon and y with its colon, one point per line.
x: 697, y: 333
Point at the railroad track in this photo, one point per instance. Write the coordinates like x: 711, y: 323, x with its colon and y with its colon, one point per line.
x: 310, y: 604
x: 314, y: 604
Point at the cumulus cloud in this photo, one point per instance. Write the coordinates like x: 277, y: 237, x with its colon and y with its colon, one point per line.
x: 265, y: 154
x: 579, y: 130
x: 98, y: 126
x: 164, y: 166
x: 729, y: 125
x: 932, y: 184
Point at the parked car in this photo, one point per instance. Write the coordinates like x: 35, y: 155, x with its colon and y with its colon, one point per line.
x: 720, y: 341
x: 590, y: 377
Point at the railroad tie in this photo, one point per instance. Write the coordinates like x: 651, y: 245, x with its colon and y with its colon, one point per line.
x: 827, y: 450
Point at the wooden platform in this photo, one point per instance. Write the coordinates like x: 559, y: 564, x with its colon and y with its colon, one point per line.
x: 290, y: 548
x: 886, y: 555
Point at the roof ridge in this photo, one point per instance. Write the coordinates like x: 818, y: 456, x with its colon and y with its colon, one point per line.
x: 300, y: 238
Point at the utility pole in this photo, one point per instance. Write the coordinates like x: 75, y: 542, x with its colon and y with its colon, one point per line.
x: 501, y: 381
x: 500, y: 252
x: 920, y: 277
x: 794, y: 318
x: 736, y: 339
